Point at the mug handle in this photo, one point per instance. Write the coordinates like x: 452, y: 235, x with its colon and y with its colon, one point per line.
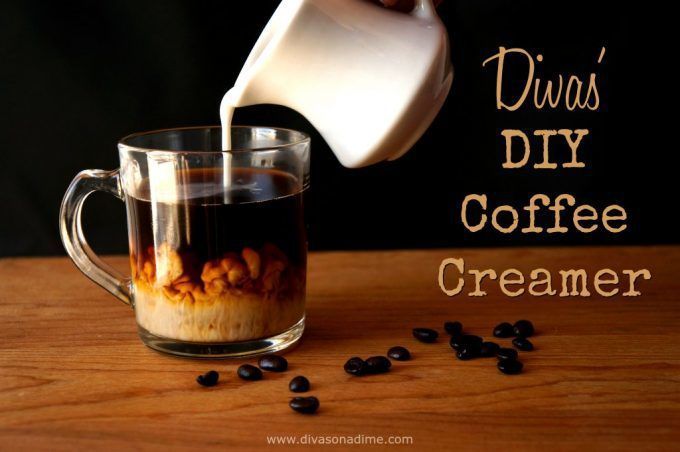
x: 70, y: 227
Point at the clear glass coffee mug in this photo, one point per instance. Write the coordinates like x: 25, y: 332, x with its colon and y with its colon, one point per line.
x: 218, y: 250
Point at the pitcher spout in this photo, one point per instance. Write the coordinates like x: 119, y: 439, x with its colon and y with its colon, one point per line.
x: 254, y: 83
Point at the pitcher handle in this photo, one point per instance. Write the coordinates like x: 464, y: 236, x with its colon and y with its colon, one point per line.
x: 70, y: 227
x: 424, y: 9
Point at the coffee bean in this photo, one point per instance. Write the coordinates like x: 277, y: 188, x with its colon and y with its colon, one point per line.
x: 378, y: 364
x: 208, y: 379
x: 304, y: 405
x: 455, y: 341
x: 469, y: 351
x: 489, y: 349
x: 523, y: 328
x: 453, y: 328
x: 356, y: 366
x: 522, y: 343
x: 399, y: 353
x: 510, y: 366
x: 458, y: 341
x: 425, y: 334
x: 299, y: 384
x: 506, y: 353
x: 471, y: 338
x: 273, y: 363
x: 503, y: 330
x: 248, y: 372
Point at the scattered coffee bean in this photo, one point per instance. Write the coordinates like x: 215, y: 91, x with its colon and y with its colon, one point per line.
x: 453, y: 328
x: 469, y: 351
x: 304, y: 405
x: 522, y: 343
x: 399, y: 353
x: 425, y: 334
x: 208, y: 379
x: 510, y: 366
x: 378, y: 364
x: 504, y: 330
x: 356, y: 366
x: 523, y: 328
x: 248, y: 372
x: 457, y: 342
x: 273, y: 363
x: 506, y: 353
x: 489, y: 349
x: 299, y: 384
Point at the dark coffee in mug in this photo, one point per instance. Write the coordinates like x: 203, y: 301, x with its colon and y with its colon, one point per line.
x: 221, y: 265
x: 218, y: 250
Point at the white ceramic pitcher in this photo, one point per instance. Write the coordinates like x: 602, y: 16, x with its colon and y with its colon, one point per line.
x: 370, y: 80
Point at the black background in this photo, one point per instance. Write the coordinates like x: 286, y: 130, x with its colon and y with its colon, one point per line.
x: 76, y: 76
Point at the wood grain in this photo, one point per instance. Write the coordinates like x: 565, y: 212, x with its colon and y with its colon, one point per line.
x: 605, y: 375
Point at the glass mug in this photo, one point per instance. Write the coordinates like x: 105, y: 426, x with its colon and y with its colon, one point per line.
x: 218, y: 249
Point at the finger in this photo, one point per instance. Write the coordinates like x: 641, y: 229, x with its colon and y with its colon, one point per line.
x: 402, y: 5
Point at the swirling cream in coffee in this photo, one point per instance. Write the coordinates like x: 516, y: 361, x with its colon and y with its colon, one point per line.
x: 219, y: 267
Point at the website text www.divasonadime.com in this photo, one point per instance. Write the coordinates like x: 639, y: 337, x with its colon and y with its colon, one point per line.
x: 336, y: 440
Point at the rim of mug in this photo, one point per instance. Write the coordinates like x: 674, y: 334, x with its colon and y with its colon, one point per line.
x: 122, y: 143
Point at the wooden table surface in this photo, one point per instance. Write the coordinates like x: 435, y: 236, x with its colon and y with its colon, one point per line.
x: 605, y: 374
